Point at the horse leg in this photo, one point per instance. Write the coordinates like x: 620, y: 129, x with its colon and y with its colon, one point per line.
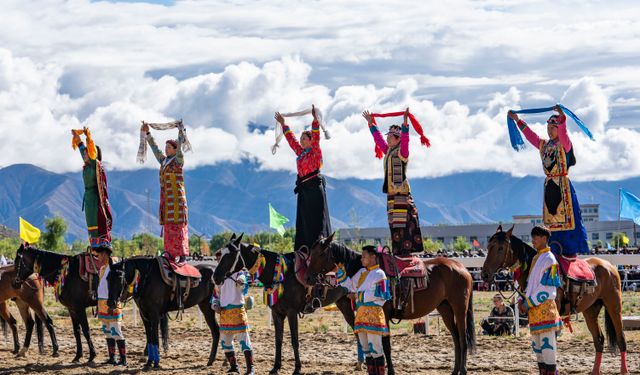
x: 460, y: 317
x: 344, y: 305
x: 446, y: 312
x: 278, y: 325
x: 210, y: 318
x: 295, y: 343
x: 148, y: 349
x: 591, y: 318
x: 164, y: 332
x: 84, y: 324
x: 29, y: 323
x: 43, y: 316
x: 40, y: 334
x: 77, y: 335
x: 155, y: 342
x: 613, y: 328
x: 11, y: 321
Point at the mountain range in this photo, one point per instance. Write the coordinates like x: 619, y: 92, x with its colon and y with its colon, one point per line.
x: 235, y: 197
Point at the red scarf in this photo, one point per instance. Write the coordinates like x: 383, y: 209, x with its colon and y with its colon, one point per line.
x: 414, y: 122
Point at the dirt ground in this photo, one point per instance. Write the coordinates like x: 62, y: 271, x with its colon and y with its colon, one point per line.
x: 325, y: 348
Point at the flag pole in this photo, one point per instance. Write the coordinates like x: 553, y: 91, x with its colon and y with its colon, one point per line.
x: 619, y: 211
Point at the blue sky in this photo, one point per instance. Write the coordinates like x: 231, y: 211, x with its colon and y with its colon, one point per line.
x: 221, y: 65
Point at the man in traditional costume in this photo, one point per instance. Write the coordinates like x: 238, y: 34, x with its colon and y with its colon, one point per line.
x: 369, y: 288
x: 228, y: 300
x: 111, y: 319
x: 173, y: 211
x: 95, y: 201
x: 539, y: 302
x: 561, y: 210
x: 402, y: 214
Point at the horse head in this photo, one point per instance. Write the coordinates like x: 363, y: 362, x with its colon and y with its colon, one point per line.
x: 24, y: 264
x: 320, y: 259
x: 117, y: 283
x: 499, y: 254
x: 230, y: 261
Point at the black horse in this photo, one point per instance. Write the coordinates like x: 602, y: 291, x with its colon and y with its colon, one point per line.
x: 154, y: 299
x: 74, y: 295
x: 237, y: 255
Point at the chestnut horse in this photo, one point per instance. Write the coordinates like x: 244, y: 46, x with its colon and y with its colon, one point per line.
x: 29, y: 296
x: 505, y: 250
x: 449, y: 291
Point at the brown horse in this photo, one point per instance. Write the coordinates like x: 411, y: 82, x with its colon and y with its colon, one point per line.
x: 449, y: 291
x: 505, y: 250
x: 30, y: 295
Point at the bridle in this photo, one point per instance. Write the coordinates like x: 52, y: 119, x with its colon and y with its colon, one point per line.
x: 504, y: 268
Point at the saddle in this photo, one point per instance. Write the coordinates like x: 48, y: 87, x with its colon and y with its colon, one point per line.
x: 180, y: 277
x: 89, y: 269
x: 406, y: 276
x: 578, y: 279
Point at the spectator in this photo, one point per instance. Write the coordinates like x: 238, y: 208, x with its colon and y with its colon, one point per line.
x: 495, y: 325
x: 3, y: 260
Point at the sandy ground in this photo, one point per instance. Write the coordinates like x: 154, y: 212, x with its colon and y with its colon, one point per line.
x: 325, y: 349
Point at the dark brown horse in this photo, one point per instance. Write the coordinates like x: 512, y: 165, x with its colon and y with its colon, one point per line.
x: 29, y: 296
x: 449, y: 291
x: 506, y: 250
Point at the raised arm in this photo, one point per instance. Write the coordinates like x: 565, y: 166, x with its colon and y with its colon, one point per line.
x: 563, y: 134
x: 154, y: 147
x: 377, y: 137
x: 288, y: 134
x: 404, y: 137
x: 531, y: 136
x: 315, y: 129
x: 179, y: 153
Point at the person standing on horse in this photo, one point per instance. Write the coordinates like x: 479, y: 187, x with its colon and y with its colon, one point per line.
x: 539, y: 302
x: 228, y: 300
x: 561, y: 210
x: 402, y: 214
x: 95, y: 201
x: 173, y: 210
x: 312, y: 214
x: 369, y: 288
x: 111, y: 319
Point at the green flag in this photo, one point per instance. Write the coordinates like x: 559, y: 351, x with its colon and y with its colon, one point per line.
x: 276, y: 220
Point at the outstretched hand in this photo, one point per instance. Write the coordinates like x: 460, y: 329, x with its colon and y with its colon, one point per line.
x: 144, y: 127
x: 558, y: 109
x: 76, y: 138
x: 313, y: 112
x: 406, y: 116
x: 279, y: 118
x: 513, y: 116
x: 367, y: 115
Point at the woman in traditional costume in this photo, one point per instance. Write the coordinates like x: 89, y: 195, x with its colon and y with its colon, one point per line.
x: 369, y: 288
x: 402, y: 214
x: 312, y: 214
x: 173, y: 212
x: 561, y: 210
x: 95, y: 201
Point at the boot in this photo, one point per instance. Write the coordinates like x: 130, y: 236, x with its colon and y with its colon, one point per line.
x: 233, y: 365
x: 111, y: 347
x: 551, y: 370
x: 122, y: 351
x: 379, y: 365
x: 248, y: 358
x: 371, y: 370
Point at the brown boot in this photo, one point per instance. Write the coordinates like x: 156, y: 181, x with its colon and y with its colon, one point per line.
x: 371, y: 370
x: 248, y: 357
x: 233, y: 364
x: 379, y: 365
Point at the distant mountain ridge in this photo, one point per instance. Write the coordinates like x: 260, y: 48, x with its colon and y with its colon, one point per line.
x: 235, y: 197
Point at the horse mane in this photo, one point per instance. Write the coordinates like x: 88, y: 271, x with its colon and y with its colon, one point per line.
x: 46, y: 252
x: 525, y: 254
x: 342, y: 254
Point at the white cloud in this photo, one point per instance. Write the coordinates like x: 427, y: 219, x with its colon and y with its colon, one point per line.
x: 220, y: 66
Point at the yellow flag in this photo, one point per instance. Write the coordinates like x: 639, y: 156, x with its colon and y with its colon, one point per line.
x: 28, y: 232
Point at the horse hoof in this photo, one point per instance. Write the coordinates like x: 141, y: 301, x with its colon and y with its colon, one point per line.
x: 274, y: 371
x: 91, y: 358
x: 55, y: 354
x: 359, y: 366
x: 22, y: 353
x: 297, y: 372
x: 76, y: 359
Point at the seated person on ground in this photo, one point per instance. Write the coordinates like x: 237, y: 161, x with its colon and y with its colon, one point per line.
x: 495, y: 324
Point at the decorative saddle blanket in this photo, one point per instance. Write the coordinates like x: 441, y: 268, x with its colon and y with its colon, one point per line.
x: 395, y: 266
x: 182, y: 269
x: 576, y: 269
x: 89, y: 265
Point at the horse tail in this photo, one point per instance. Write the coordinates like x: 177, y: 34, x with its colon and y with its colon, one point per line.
x: 3, y: 323
x: 610, y: 331
x: 471, y: 329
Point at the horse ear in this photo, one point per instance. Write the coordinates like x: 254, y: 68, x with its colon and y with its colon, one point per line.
x: 510, y: 231
x: 499, y: 228
x: 329, y: 239
x: 233, y: 237
x: 239, y: 238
